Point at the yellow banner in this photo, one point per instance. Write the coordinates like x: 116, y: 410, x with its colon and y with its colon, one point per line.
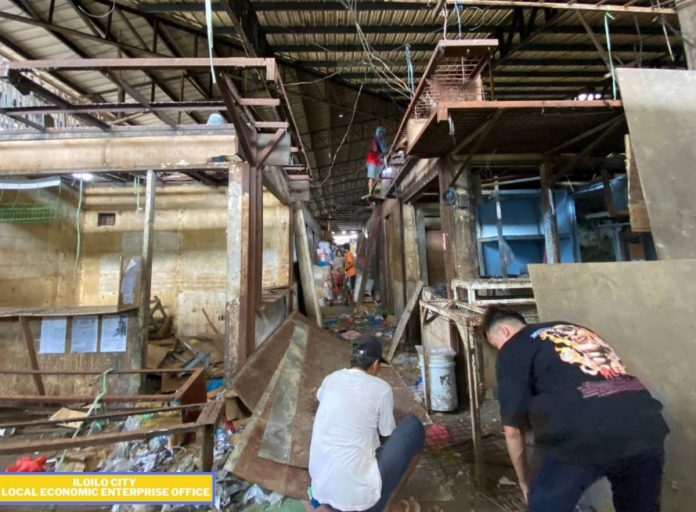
x: 78, y: 488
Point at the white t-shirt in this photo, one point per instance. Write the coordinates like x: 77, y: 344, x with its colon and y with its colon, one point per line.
x: 354, y: 410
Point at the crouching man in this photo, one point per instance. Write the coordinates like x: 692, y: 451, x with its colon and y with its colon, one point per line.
x: 350, y: 470
x: 589, y: 416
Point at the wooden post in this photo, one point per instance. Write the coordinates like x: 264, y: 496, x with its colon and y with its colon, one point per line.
x: 548, y: 207
x: 501, y: 238
x: 306, y: 260
x: 687, y: 25
x: 411, y: 262
x: 146, y: 275
x: 422, y: 246
x: 458, y: 224
x: 291, y: 264
x: 238, y: 269
x: 31, y: 350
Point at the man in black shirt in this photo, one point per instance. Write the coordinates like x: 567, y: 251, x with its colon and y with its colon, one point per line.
x: 589, y: 416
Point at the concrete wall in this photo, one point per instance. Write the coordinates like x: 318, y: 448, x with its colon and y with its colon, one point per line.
x: 189, y: 261
x: 36, y: 259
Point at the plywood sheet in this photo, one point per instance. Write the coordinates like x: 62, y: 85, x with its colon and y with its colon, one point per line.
x: 661, y: 111
x: 14, y: 352
x: 645, y: 311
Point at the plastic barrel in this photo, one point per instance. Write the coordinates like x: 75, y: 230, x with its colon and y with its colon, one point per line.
x: 442, y: 383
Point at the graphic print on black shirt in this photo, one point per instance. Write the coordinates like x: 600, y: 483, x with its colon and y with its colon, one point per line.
x: 573, y: 389
x: 577, y: 345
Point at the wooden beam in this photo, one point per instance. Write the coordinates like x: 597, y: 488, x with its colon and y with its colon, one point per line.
x: 403, y: 321
x: 306, y: 261
x: 687, y: 23
x: 31, y: 351
x: 146, y: 275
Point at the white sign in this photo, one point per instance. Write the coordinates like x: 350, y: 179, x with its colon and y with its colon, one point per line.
x: 52, y: 339
x: 85, y: 330
x: 114, y: 333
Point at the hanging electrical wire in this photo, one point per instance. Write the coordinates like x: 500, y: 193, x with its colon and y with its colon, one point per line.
x: 98, y: 16
x: 409, y: 70
x: 607, y: 35
x: 345, y: 136
x: 378, y: 65
x: 209, y: 25
x: 309, y: 82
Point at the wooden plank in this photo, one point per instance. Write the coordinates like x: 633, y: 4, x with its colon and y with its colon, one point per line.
x: 92, y: 154
x: 403, y: 321
x: 11, y: 312
x: 637, y: 209
x: 306, y: 260
x: 548, y: 207
x: 31, y: 350
x: 370, y: 250
x: 146, y: 271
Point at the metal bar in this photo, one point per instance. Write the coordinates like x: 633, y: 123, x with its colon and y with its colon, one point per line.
x: 481, y: 138
x: 200, y: 63
x: 31, y: 350
x: 548, y: 207
x: 101, y: 439
x: 55, y: 29
x: 112, y: 415
x: 174, y: 106
x: 146, y: 273
x: 499, y: 227
x: 616, y: 123
x: 556, y: 6
x: 245, y: 135
x: 263, y: 155
x: 593, y: 37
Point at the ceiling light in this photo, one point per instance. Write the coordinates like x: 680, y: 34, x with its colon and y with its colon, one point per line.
x: 582, y: 96
x: 343, y: 232
x: 340, y: 116
x: 83, y: 176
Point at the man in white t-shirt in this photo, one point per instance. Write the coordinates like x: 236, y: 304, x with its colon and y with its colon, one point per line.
x: 349, y: 468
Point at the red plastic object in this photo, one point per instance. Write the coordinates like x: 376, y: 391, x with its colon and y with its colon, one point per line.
x: 437, y: 433
x: 26, y: 464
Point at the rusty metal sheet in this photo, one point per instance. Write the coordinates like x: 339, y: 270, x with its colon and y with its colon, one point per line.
x: 277, y: 437
x: 326, y: 354
x: 661, y: 111
x: 645, y: 311
x: 249, y: 381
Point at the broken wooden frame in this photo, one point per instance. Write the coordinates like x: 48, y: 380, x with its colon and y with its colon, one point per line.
x: 191, y: 391
x: 466, y: 321
x: 203, y: 424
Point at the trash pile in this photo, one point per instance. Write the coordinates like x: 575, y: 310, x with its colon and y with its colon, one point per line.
x: 369, y: 319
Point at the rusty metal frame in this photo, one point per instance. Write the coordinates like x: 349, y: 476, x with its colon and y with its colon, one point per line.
x: 191, y: 391
x: 203, y: 425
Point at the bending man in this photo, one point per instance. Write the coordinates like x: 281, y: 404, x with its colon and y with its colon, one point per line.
x: 588, y: 415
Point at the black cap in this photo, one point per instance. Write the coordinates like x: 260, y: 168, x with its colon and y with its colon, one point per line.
x: 369, y: 346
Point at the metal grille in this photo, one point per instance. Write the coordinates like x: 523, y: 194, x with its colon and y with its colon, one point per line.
x: 454, y: 79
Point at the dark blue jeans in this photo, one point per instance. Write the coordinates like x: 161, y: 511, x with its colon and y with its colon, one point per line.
x: 635, y: 484
x: 395, y: 456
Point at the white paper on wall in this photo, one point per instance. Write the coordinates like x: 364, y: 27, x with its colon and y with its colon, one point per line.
x: 85, y: 330
x: 114, y: 333
x: 52, y: 338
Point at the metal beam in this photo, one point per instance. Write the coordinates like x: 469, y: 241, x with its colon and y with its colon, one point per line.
x: 435, y: 28
x: 428, y: 47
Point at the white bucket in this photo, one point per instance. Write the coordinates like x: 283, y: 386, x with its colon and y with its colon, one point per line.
x: 443, y: 382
